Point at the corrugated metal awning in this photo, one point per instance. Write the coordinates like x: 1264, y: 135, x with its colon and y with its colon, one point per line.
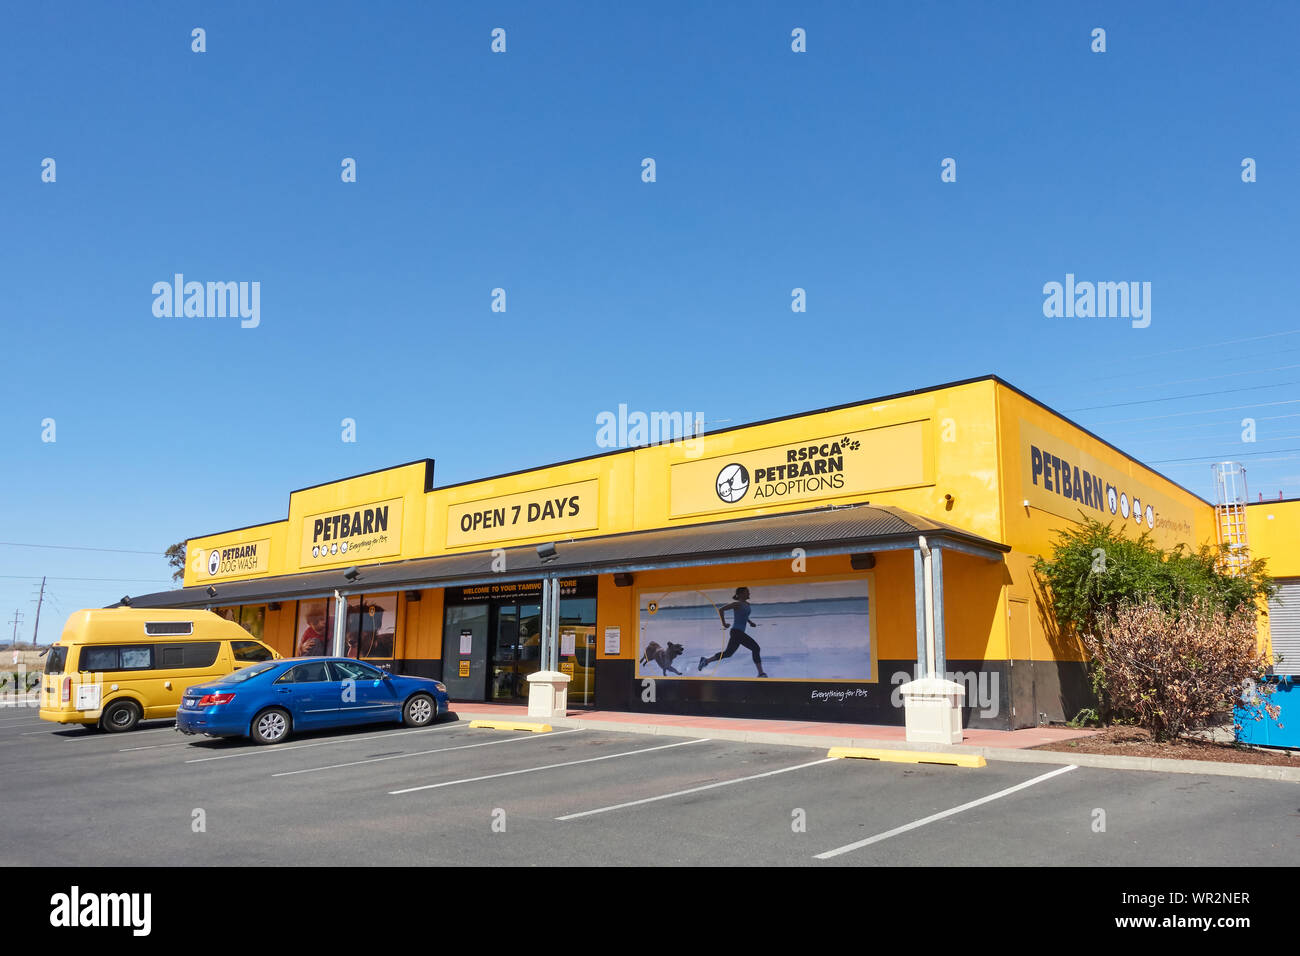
x: 839, y: 530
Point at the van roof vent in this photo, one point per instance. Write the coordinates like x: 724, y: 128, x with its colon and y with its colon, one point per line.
x: 168, y: 628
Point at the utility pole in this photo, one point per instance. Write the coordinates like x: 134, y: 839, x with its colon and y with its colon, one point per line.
x: 18, y: 619
x: 37, y: 628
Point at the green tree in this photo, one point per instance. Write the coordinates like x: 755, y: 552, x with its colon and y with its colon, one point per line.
x: 175, y: 556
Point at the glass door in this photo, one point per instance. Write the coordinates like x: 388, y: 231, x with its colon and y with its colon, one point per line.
x: 465, y: 651
x: 516, y: 650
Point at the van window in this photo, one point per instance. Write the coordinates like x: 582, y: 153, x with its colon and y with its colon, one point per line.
x: 117, y: 658
x: 191, y: 654
x: 55, y: 659
x: 250, y: 651
x: 136, y: 658
x: 168, y: 628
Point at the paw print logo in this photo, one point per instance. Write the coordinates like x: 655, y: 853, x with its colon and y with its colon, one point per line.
x: 849, y: 443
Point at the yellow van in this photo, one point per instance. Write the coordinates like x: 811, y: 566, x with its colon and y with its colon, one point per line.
x: 114, y: 667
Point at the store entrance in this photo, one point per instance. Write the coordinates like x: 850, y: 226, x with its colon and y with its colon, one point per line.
x: 516, y: 650
x: 492, y: 640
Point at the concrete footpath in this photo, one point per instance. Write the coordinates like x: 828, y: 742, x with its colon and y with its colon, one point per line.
x: 1006, y: 745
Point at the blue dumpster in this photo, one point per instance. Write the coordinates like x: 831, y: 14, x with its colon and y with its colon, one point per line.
x: 1266, y: 732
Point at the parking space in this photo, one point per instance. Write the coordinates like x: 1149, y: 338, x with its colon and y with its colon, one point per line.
x: 451, y: 795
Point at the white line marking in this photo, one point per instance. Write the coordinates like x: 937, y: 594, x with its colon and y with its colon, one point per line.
x: 319, y: 743
x: 707, y: 786
x: 567, y: 763
x: 939, y: 816
x: 485, y: 743
x: 175, y: 743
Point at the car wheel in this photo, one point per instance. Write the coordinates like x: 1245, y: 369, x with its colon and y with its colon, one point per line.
x: 419, y: 711
x: 270, y: 726
x: 120, y: 716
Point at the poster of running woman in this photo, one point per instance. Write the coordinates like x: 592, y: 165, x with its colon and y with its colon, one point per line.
x: 817, y: 629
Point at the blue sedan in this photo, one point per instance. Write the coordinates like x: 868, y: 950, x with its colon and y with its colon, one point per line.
x: 269, y: 701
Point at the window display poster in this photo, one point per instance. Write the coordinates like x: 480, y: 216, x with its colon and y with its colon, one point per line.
x: 800, y: 630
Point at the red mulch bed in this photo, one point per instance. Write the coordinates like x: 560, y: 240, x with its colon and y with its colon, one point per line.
x: 1136, y: 742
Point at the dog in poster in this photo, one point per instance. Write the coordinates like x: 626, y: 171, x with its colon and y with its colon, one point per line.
x: 663, y: 656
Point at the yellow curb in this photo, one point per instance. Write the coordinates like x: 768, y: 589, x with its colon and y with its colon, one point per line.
x: 510, y: 725
x: 908, y: 756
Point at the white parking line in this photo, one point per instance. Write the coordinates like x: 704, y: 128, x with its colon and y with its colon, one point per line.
x: 707, y: 786
x: 485, y: 743
x: 552, y: 766
x: 321, y: 743
x: 939, y: 816
x: 175, y: 743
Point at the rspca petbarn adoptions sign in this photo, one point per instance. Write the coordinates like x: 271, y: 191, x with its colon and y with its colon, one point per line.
x: 353, y: 534
x: 878, y: 459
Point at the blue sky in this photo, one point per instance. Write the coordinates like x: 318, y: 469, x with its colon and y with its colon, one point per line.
x: 522, y: 171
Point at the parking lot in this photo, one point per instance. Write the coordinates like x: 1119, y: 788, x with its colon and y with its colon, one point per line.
x: 453, y: 795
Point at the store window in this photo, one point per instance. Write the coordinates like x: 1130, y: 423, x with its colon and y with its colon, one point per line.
x: 315, y: 625
x: 252, y: 618
x: 372, y: 626
x: 229, y: 613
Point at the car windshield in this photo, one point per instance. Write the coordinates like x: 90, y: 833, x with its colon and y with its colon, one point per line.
x: 238, y: 677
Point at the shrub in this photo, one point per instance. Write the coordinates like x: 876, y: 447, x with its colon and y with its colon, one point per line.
x: 1173, y: 669
x: 1094, y: 569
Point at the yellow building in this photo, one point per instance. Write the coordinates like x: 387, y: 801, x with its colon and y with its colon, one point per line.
x: 797, y: 568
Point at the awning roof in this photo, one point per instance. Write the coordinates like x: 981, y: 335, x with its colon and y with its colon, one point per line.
x: 836, y: 530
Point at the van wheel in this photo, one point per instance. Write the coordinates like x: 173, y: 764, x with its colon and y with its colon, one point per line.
x: 270, y: 726
x: 419, y: 711
x: 120, y: 716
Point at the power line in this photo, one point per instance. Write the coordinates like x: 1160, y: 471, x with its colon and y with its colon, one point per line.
x: 1233, y: 423
x: 1232, y: 457
x: 1211, y: 378
x: 1184, y: 438
x: 1200, y: 463
x: 1215, y: 345
x: 37, y: 577
x: 69, y: 547
x: 1146, y: 358
x: 1204, y: 411
x: 1175, y: 398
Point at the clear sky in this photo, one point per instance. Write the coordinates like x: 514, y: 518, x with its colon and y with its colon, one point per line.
x: 522, y: 170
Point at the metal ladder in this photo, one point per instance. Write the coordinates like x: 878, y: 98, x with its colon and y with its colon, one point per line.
x: 1230, y: 514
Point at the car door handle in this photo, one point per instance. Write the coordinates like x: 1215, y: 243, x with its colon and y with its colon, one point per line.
x: 284, y: 690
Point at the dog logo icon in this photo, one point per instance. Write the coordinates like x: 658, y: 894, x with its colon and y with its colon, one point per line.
x: 733, y: 482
